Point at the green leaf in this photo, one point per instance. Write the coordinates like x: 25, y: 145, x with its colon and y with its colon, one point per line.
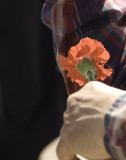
x: 88, y: 69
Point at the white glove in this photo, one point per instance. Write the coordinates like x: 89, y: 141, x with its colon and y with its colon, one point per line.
x: 83, y: 129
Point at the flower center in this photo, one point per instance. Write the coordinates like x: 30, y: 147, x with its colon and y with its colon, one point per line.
x: 88, y: 69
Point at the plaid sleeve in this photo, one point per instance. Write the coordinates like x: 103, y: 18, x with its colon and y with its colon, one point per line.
x: 71, y: 20
x: 115, y: 124
x: 105, y: 21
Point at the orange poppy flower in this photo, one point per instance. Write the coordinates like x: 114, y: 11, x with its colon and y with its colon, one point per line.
x: 85, y: 62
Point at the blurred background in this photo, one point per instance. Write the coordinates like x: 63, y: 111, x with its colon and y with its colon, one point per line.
x: 32, y: 91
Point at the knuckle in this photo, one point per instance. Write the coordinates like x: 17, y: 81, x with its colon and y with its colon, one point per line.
x: 70, y: 100
x: 90, y: 84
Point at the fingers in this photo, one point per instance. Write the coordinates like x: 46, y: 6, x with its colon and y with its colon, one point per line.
x: 95, y: 94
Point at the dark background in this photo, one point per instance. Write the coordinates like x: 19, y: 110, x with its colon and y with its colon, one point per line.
x: 32, y: 92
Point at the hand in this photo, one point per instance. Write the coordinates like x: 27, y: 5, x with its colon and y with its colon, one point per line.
x: 83, y: 129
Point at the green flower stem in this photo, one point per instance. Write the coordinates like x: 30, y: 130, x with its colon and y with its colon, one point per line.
x: 88, y: 69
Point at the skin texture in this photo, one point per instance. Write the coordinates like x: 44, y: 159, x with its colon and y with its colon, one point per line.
x: 83, y: 129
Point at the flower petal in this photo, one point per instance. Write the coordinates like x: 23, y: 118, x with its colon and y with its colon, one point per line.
x: 84, y: 52
x: 72, y: 54
x: 100, y: 55
x: 74, y: 74
x: 65, y: 62
x: 102, y: 73
x: 104, y: 57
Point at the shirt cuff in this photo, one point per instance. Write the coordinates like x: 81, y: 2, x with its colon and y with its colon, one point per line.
x: 115, y: 125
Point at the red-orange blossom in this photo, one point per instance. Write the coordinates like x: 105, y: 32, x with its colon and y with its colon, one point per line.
x: 88, y: 52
